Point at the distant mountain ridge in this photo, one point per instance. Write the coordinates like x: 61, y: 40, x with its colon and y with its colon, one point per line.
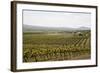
x: 27, y: 28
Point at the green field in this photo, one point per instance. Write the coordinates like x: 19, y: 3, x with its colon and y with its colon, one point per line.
x: 56, y: 46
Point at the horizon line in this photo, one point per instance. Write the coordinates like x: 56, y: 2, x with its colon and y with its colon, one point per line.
x: 58, y: 26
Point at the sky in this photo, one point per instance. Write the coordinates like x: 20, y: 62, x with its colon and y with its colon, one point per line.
x: 56, y: 19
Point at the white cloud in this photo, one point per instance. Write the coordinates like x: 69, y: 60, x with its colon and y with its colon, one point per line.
x: 56, y: 19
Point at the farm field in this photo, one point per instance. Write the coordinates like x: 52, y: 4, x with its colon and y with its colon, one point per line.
x: 56, y: 46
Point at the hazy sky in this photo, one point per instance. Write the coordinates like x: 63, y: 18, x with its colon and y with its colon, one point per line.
x: 56, y: 19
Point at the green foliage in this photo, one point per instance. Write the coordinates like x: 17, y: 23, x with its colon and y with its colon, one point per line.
x: 44, y: 47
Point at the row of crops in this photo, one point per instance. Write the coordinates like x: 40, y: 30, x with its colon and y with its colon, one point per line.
x: 37, y: 48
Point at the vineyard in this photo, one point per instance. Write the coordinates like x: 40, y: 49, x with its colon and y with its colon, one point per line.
x: 39, y: 47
